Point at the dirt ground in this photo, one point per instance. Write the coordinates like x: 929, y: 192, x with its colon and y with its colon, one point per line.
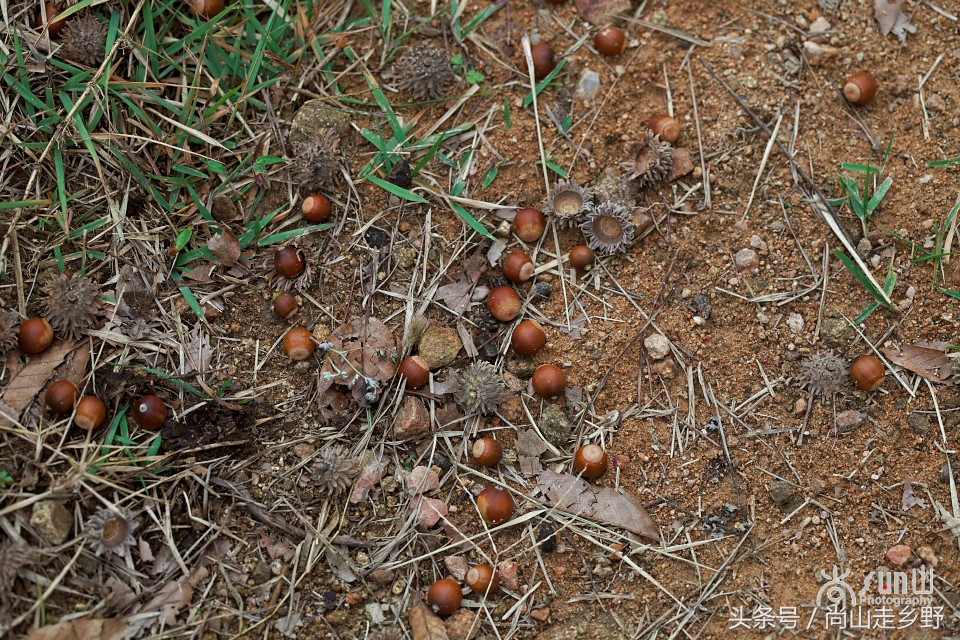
x: 283, y: 499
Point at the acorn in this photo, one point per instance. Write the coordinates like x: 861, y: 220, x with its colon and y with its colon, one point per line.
x: 91, y: 412
x: 445, y: 596
x: 867, y: 371
x: 487, y: 451
x: 483, y: 579
x: 299, y: 344
x: 207, y: 9
x: 36, y: 334
x: 518, y: 267
x: 610, y: 41
x: 860, y: 88
x: 415, y: 370
x: 149, y: 412
x: 504, y: 303
x: 48, y: 16
x: 666, y: 127
x: 544, y: 60
x: 495, y: 505
x: 528, y: 338
x: 285, y: 305
x: 61, y: 396
x: 529, y: 224
x: 590, y: 461
x: 316, y: 208
x: 289, y: 262
x: 582, y: 258
x: 549, y: 381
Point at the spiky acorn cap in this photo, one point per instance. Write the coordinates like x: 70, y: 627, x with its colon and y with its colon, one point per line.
x: 650, y: 160
x: 568, y: 202
x: 71, y: 304
x: 336, y: 470
x: 823, y: 374
x: 85, y: 40
x: 110, y: 530
x: 9, y: 326
x: 423, y: 72
x: 608, y: 229
x: 480, y: 388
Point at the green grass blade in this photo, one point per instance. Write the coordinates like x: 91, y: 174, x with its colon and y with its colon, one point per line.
x: 858, y: 273
x: 943, y: 163
x: 545, y: 82
x: 192, y: 301
x: 397, y: 191
x: 878, y: 196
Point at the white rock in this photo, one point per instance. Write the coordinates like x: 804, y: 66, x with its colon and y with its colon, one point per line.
x: 795, y: 322
x: 657, y: 346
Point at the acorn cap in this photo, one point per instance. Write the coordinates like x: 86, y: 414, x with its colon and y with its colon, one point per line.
x: 568, y: 202
x: 608, y: 229
x: 650, y: 161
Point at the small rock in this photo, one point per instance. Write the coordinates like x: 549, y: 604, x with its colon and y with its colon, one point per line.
x: 934, y: 102
x: 836, y: 330
x: 758, y: 243
x: 439, y: 346
x: 511, y: 409
x: 52, y: 521
x: 848, y: 420
x: 820, y: 25
x: 304, y: 450
x: 780, y: 491
x: 927, y: 555
x: 412, y: 419
x: 800, y: 406
x: 462, y: 624
x: 261, y: 573
x: 353, y: 598
x: 657, y: 346
x: 795, y: 322
x: 421, y: 480
x: 541, y: 615
x: 382, y: 576
x: 430, y: 511
x: 509, y: 575
x: 898, y: 554
x: 666, y: 369
x: 818, y: 53
x: 919, y: 421
x: 747, y: 260
x: 457, y: 566
x: 405, y: 257
x: 554, y: 425
x: 313, y: 117
x: 682, y: 164
x: 587, y: 86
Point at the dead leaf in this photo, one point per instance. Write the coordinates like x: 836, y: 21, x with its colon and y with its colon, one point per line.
x: 530, y: 444
x: 22, y: 389
x: 226, y: 247
x: 569, y: 493
x: 457, y: 295
x: 886, y: 12
x: 624, y: 510
x: 930, y: 363
x: 495, y: 251
x: 338, y: 560
x: 365, y: 345
x: 909, y: 499
x: 373, y: 470
x: 426, y: 625
x: 83, y: 629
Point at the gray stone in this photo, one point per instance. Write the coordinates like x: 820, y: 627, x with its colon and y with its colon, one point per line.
x: 919, y: 421
x: 780, y: 491
x: 314, y: 117
x: 554, y: 425
x: 657, y: 346
x: 747, y: 260
x: 52, y: 521
x: 587, y: 86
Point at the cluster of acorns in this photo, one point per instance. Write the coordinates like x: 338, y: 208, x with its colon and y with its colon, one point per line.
x: 497, y: 506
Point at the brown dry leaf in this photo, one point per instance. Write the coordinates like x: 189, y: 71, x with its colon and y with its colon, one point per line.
x: 457, y: 295
x: 426, y: 625
x: 930, y: 363
x: 226, y: 247
x: 373, y: 470
x: 569, y: 493
x: 623, y: 510
x: 22, y: 389
x: 530, y: 444
x: 82, y: 629
x: 369, y: 347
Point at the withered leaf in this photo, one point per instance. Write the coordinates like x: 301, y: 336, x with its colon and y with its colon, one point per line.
x: 365, y: 345
x: 82, y: 629
x: 930, y: 363
x: 530, y: 444
x: 226, y: 246
x: 623, y: 510
x: 426, y: 625
x: 27, y: 384
x: 373, y: 470
x: 886, y: 12
x: 569, y: 493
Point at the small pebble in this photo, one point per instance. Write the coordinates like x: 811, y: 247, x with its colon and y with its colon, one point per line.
x: 898, y: 554
x: 657, y: 346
